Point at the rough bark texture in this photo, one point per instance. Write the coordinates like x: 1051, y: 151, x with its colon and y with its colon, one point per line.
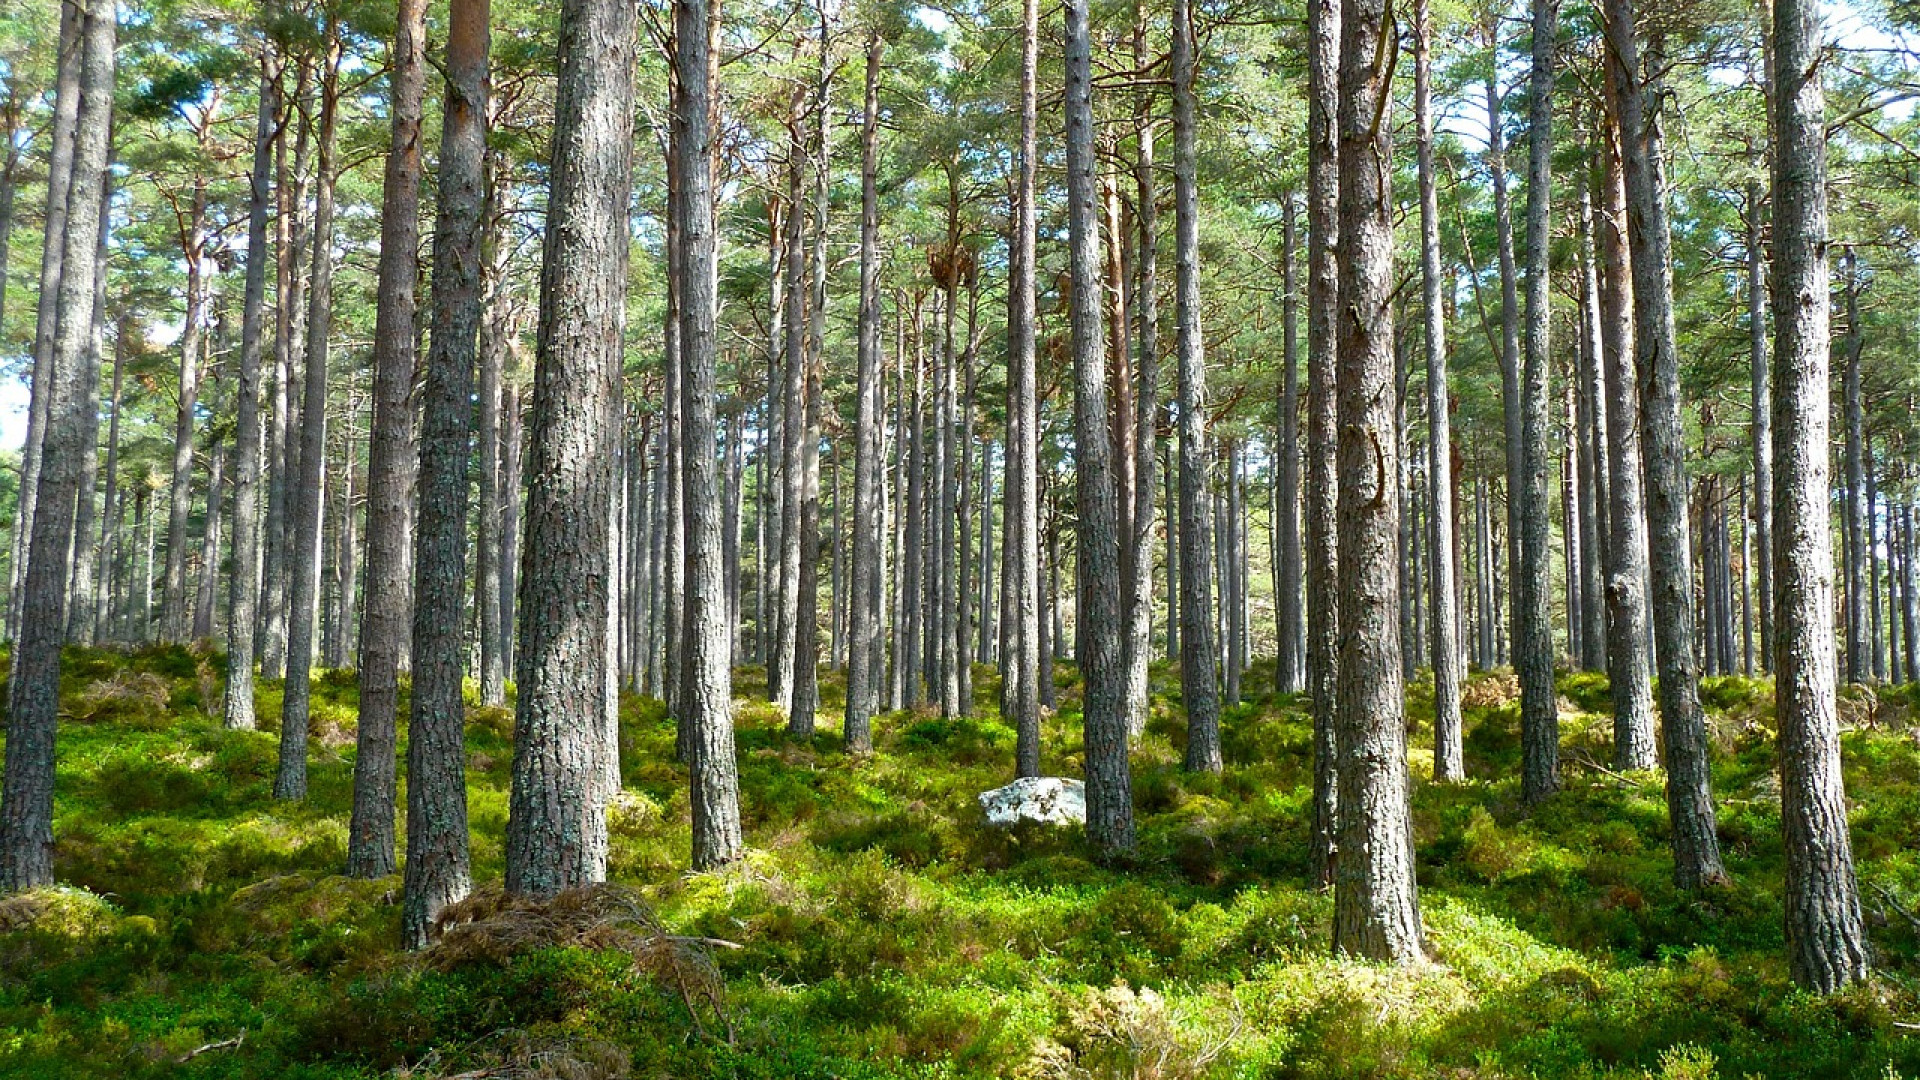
x: 1376, y: 910
x: 1762, y: 546
x: 1145, y: 307
x: 557, y: 825
x: 1199, y: 652
x: 310, y: 486
x: 194, y: 252
x: 1533, y: 626
x: 1696, y: 848
x: 1109, y: 780
x: 1323, y: 548
x: 1856, y: 598
x: 244, y: 594
x: 865, y: 659
x: 370, y: 837
x: 709, y: 690
x: 1444, y: 653
x: 1629, y: 637
x: 26, y: 793
x: 1021, y: 666
x: 1289, y: 613
x: 1826, y: 945
x: 437, y: 871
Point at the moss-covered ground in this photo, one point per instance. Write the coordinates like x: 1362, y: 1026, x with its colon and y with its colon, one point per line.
x: 201, y: 928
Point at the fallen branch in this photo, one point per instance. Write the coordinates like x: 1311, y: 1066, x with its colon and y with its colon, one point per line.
x: 1586, y: 762
x: 223, y: 1044
x: 1898, y: 908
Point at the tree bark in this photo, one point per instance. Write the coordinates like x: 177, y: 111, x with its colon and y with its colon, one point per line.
x: 709, y: 692
x: 1826, y: 946
x: 1022, y: 666
x: 1697, y: 861
x: 1322, y: 495
x: 1444, y: 652
x: 26, y: 792
x: 309, y: 489
x: 1109, y: 780
x: 1376, y: 908
x: 1199, y: 652
x: 391, y: 460
x: 556, y: 825
x: 865, y: 659
x: 1762, y: 430
x: 437, y: 870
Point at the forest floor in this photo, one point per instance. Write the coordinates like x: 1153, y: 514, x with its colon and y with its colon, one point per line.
x: 883, y: 930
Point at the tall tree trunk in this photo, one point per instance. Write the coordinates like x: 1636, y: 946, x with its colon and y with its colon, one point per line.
x: 1199, y: 654
x: 806, y: 663
x: 709, y: 692
x: 1376, y: 909
x: 1826, y: 946
x: 782, y: 667
x: 1762, y: 428
x: 556, y: 824
x: 1021, y: 665
x: 1595, y: 494
x: 282, y: 448
x: 1444, y: 650
x: 194, y: 250
x: 112, y: 510
x: 203, y: 601
x: 1689, y: 801
x: 244, y: 595
x: 1109, y: 780
x: 310, y: 486
x: 80, y: 602
x: 26, y: 793
x: 1629, y: 637
x: 1858, y: 598
x: 60, y: 154
x: 1322, y: 495
x: 391, y: 460
x: 865, y: 659
x: 1146, y: 401
x: 1533, y: 625
x: 1289, y: 614
x: 437, y: 871
x: 496, y: 327
x: 1511, y: 409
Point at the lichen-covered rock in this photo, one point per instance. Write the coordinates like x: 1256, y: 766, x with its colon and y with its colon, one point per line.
x: 1049, y: 800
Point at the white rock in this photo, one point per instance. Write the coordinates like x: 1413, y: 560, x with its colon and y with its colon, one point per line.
x: 1049, y: 800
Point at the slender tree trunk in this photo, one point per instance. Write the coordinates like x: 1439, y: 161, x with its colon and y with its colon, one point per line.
x: 1826, y: 946
x: 66, y: 110
x: 80, y: 601
x: 1595, y: 494
x: 1322, y: 495
x: 1762, y: 429
x: 1533, y: 625
x: 1689, y: 801
x: 1289, y: 614
x: 1629, y: 638
x: 1146, y: 402
x: 26, y: 793
x: 1199, y: 654
x: 1444, y: 647
x: 112, y: 510
x: 782, y: 667
x: 1858, y: 598
x: 556, y: 825
x: 1109, y: 781
x: 194, y: 249
x: 437, y: 871
x: 1510, y: 374
x: 1376, y: 909
x: 308, y: 493
x: 1021, y: 665
x: 709, y: 693
x: 864, y: 656
x: 203, y: 601
x: 806, y: 664
x: 289, y: 294
x: 391, y: 460
x: 496, y: 327
x: 244, y: 594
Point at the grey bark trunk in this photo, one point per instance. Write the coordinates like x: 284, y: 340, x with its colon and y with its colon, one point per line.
x: 1322, y: 494
x: 556, y: 825
x: 26, y: 792
x: 1199, y: 652
x: 1376, y: 907
x: 1697, y: 861
x: 1826, y: 945
x: 309, y: 489
x: 1109, y: 780
x: 437, y: 870
x: 1021, y: 665
x: 1444, y: 646
x: 391, y: 460
x: 865, y: 660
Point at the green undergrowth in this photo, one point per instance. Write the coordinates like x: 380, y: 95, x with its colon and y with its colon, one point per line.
x: 878, y: 929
